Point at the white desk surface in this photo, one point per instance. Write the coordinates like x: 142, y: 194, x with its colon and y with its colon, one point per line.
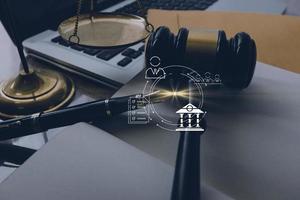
x: 251, y: 148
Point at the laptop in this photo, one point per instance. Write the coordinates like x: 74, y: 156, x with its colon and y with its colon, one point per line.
x: 115, y: 67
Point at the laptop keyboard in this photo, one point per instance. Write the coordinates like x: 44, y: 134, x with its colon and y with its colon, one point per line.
x: 166, y: 5
x: 104, y: 54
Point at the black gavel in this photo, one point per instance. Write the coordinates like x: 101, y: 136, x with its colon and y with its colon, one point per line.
x: 186, y: 184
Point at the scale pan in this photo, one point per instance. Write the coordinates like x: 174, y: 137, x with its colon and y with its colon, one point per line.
x: 105, y: 30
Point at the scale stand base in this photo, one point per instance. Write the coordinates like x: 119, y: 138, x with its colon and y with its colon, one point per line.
x: 35, y: 92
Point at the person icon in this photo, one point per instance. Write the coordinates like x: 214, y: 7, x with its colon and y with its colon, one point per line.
x: 199, y: 79
x: 207, y: 78
x: 217, y: 79
x: 155, y: 72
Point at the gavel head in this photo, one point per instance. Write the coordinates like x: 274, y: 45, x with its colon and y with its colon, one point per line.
x: 206, y: 51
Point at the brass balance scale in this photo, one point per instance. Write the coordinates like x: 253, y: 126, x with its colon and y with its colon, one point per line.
x: 35, y: 91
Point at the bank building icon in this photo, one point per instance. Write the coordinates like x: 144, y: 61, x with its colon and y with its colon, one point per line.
x: 190, y: 117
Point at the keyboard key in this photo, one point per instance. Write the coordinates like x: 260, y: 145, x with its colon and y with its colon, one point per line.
x: 136, y: 54
x: 142, y: 48
x: 125, y: 62
x: 91, y: 51
x: 78, y: 47
x: 110, y: 53
x: 128, y: 52
x: 101, y: 5
x: 200, y: 7
x: 133, y: 53
x: 64, y: 43
x: 56, y: 39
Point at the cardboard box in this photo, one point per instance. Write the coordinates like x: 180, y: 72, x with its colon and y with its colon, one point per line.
x: 277, y: 37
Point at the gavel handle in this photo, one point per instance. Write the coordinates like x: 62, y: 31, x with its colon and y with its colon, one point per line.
x: 186, y: 185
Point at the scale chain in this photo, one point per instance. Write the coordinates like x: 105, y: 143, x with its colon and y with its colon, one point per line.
x: 75, y: 34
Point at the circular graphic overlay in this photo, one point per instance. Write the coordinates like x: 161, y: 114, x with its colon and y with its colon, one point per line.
x: 181, y: 87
